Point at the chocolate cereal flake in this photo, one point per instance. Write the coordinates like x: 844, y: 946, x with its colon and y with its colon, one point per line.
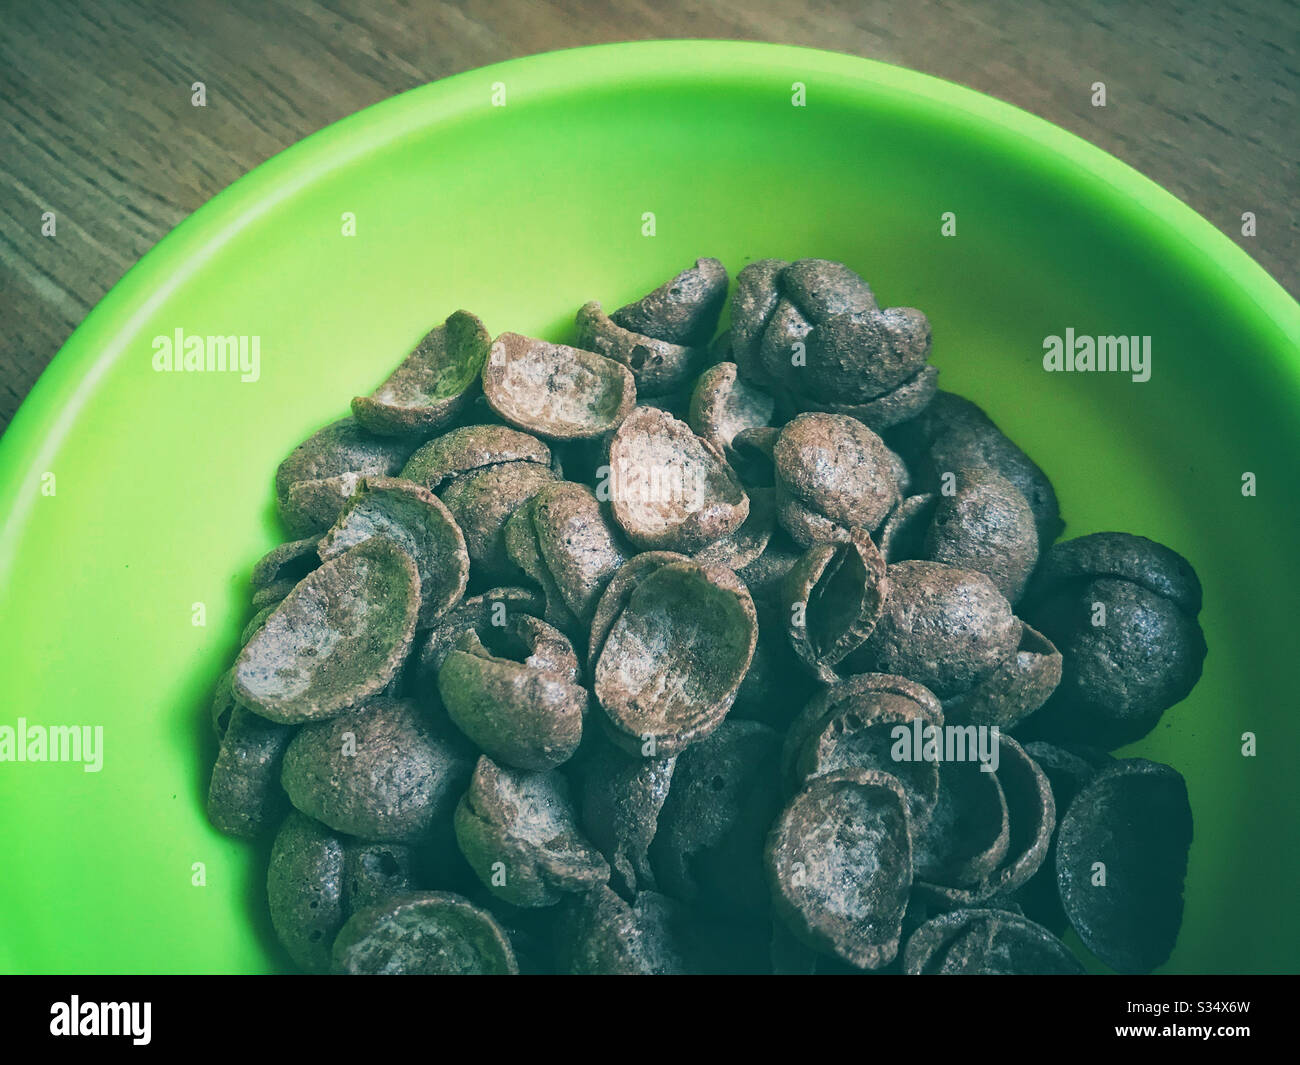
x: 433, y: 384
x: 380, y: 773
x: 556, y: 391
x: 337, y: 639
x: 430, y: 933
x: 1121, y: 857
x: 519, y: 832
x: 674, y: 658
x: 418, y: 522
x: 683, y: 310
x: 839, y: 862
x: 670, y: 489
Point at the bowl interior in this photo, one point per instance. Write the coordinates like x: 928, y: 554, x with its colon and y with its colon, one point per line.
x: 163, y: 481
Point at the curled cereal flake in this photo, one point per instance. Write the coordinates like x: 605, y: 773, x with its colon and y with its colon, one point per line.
x: 521, y: 545
x: 856, y: 356
x: 671, y: 490
x: 746, y: 544
x: 1032, y: 812
x: 903, y: 532
x: 287, y: 563
x: 822, y: 288
x: 556, y: 391
x: 577, y: 545
x: 471, y: 448
x: 1013, y: 691
x: 968, y: 836
x: 1031, y: 819
x: 1128, y: 655
x: 494, y: 609
x: 433, y: 384
x: 336, y: 639
x: 722, y: 405
x: 619, y: 589
x: 945, y: 627
x: 986, y: 526
x: 838, y: 472
x: 826, y: 345
x: 602, y: 935
x: 966, y: 942
x: 521, y: 705
x: 314, y: 482
x: 244, y: 797
x: 709, y: 844
x: 429, y: 933
x: 674, y: 658
x: 418, y: 522
x: 1122, y: 556
x: 519, y: 833
x: 853, y: 725
x: 683, y: 310
x: 951, y: 433
x: 832, y: 599
x: 1067, y: 771
x: 905, y: 401
x: 1134, y: 819
x: 839, y: 862
x: 658, y: 367
x: 482, y: 501
x: 757, y: 294
x: 1122, y: 609
x: 380, y: 773
x: 304, y: 889
x: 622, y: 795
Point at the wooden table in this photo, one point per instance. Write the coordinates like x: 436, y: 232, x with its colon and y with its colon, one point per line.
x: 96, y: 122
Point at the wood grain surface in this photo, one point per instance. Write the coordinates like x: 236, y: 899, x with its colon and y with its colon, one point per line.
x: 96, y: 122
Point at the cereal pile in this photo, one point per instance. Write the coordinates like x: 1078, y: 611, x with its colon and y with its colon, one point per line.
x: 667, y: 653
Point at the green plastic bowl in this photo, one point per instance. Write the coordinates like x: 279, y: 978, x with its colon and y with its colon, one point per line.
x: 163, y: 481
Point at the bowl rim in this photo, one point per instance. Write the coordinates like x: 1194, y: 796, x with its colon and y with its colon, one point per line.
x: 70, y: 380
x: 69, y: 386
